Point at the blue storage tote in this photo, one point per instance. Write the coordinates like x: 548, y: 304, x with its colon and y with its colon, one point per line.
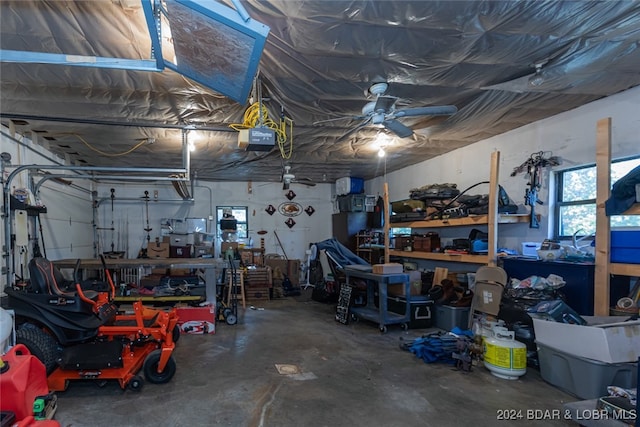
x: 349, y: 185
x: 625, y: 246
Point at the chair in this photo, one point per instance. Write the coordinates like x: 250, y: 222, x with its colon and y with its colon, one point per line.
x: 46, y: 278
x: 487, y: 293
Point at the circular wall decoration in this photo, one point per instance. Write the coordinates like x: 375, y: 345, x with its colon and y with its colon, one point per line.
x: 290, y: 209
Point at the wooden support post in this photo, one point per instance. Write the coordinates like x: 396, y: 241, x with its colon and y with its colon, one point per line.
x: 387, y: 237
x: 603, y: 181
x: 492, y: 228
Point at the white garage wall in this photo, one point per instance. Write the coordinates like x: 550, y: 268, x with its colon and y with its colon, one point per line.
x: 130, y: 217
x: 67, y: 225
x: 570, y: 135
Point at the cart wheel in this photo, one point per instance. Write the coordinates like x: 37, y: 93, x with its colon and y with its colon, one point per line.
x: 231, y: 319
x: 404, y: 326
x: 226, y: 312
x: 150, y: 368
x: 175, y: 334
x: 136, y: 383
x: 383, y: 329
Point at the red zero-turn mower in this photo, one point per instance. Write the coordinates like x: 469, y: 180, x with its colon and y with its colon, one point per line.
x: 80, y: 335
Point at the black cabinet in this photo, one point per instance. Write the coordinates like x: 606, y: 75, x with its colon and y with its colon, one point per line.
x: 346, y: 225
x: 579, y: 278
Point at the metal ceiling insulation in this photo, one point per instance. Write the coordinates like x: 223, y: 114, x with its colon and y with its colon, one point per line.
x: 318, y: 62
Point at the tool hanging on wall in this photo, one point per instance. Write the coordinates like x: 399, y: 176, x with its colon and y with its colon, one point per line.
x: 146, y: 207
x: 37, y: 251
x: 113, y: 228
x: 143, y: 252
x: 280, y: 243
x: 113, y: 253
x: 533, y: 167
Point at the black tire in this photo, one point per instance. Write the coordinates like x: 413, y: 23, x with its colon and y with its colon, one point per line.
x: 176, y: 334
x: 231, y: 319
x: 136, y: 383
x: 40, y: 344
x: 150, y: 368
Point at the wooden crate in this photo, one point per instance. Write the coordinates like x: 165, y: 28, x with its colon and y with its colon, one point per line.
x: 257, y: 293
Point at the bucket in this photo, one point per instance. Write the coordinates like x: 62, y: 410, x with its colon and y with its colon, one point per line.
x: 505, y: 357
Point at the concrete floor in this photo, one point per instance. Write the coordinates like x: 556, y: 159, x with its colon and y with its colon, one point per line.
x: 350, y: 375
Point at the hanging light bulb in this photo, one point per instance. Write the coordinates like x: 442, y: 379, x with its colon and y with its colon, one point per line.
x: 192, y: 146
x: 381, y: 152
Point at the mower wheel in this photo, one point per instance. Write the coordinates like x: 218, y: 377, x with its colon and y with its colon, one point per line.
x: 150, y: 368
x: 42, y: 345
x: 176, y: 333
x: 136, y: 383
x: 231, y: 319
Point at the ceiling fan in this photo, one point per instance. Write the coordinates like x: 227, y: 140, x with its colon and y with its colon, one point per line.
x: 289, y: 178
x: 383, y: 112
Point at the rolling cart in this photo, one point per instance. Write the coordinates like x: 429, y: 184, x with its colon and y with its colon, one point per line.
x: 379, y: 282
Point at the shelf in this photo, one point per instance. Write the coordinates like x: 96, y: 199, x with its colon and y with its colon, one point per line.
x: 624, y: 269
x: 465, y: 221
x: 633, y: 210
x: 436, y: 256
x: 152, y: 299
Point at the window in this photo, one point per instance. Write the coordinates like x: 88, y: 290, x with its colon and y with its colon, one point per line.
x: 240, y: 214
x: 576, y: 200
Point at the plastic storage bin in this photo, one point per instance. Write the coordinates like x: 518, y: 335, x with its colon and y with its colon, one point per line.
x: 420, y: 307
x: 530, y: 249
x: 447, y: 317
x: 349, y: 185
x: 583, y: 378
x: 625, y: 246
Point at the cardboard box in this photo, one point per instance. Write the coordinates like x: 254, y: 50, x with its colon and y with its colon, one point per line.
x: 390, y: 268
x: 226, y: 245
x: 197, y: 320
x: 605, y: 339
x: 158, y: 250
x: 180, y: 251
x: 181, y: 239
x: 397, y: 289
x: 282, y: 266
x: 426, y: 242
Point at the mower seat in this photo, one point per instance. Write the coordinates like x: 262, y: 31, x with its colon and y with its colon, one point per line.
x: 47, y: 279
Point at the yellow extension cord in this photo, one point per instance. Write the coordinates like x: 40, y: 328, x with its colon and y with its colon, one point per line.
x: 251, y: 119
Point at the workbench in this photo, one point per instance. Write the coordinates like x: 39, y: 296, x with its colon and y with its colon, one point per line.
x: 379, y: 283
x: 210, y: 266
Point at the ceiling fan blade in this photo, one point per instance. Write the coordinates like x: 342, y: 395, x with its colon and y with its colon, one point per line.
x: 398, y: 128
x: 384, y: 103
x: 354, y: 130
x: 436, y: 110
x: 305, y: 181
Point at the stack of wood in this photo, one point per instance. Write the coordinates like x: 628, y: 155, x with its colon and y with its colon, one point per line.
x: 257, y: 283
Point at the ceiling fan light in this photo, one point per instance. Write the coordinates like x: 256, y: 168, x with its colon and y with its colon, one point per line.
x: 536, y: 80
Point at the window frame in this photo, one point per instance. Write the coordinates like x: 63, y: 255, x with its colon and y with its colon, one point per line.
x: 246, y: 222
x: 559, y: 186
